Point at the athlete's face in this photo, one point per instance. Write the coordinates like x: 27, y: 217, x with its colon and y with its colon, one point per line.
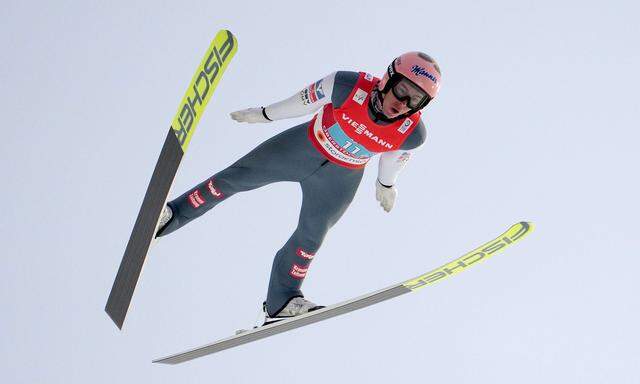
x: 392, y: 107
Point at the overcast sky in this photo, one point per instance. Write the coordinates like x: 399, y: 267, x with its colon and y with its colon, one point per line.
x: 537, y: 120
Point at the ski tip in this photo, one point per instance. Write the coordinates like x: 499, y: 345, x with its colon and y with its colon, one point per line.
x: 528, y: 225
x: 225, y: 31
x: 519, y: 230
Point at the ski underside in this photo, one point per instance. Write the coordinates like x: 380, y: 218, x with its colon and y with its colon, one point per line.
x: 515, y: 233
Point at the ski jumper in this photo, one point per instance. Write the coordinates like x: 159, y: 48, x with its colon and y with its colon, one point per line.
x: 326, y: 156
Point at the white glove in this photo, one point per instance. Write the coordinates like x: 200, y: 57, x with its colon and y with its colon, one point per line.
x: 249, y: 115
x: 386, y: 195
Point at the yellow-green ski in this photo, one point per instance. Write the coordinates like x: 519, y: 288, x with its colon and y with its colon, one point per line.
x: 517, y: 232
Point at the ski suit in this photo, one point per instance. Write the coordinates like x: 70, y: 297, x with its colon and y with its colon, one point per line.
x: 323, y: 156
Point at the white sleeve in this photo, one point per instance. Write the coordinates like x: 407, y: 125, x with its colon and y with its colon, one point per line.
x: 390, y: 164
x: 305, y: 102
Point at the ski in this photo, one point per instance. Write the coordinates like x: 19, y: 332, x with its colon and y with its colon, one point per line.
x: 203, y: 84
x: 512, y: 235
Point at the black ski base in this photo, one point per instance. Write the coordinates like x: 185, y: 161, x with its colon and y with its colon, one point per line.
x: 143, y: 230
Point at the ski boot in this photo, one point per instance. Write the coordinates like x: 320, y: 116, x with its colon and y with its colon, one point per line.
x: 295, y: 307
x: 165, y: 217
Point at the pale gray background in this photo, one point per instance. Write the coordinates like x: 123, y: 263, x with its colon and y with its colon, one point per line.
x: 537, y: 120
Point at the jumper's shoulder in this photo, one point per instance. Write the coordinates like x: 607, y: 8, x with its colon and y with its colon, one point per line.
x: 416, y: 138
x: 347, y: 78
x: 343, y: 85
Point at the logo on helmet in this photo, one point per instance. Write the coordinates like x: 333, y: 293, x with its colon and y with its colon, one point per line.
x: 420, y: 71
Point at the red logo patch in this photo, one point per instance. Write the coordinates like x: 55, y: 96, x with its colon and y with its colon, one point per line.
x: 195, y: 199
x: 298, y: 272
x: 214, y: 191
x: 305, y: 255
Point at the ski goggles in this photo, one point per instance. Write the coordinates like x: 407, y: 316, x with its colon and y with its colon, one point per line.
x: 405, y: 90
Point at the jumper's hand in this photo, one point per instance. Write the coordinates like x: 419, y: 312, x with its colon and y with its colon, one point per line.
x: 386, y: 195
x: 249, y: 115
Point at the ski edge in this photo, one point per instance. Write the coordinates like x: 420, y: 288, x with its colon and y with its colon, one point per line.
x: 286, y: 325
